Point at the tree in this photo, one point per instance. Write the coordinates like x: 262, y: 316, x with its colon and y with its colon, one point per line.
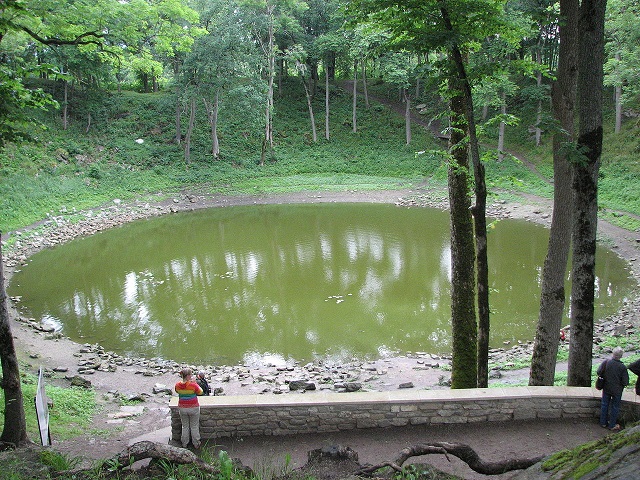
x: 399, y: 72
x: 15, y: 426
x: 623, y: 54
x: 299, y: 57
x: 454, y: 28
x: 552, y: 296
x: 463, y: 286
x: 585, y: 189
x: 222, y: 67
x: 266, y: 18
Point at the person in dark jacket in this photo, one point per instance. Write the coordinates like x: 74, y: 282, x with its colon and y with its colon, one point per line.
x: 616, y: 378
x: 204, y: 385
x: 635, y: 368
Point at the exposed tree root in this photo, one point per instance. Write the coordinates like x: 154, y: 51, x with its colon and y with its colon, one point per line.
x: 143, y: 450
x: 462, y: 451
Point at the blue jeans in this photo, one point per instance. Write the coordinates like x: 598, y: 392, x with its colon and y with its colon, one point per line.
x: 609, y: 409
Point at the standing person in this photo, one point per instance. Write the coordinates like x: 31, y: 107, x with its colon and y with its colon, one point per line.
x: 189, y: 408
x: 204, y: 385
x: 635, y: 368
x: 616, y: 378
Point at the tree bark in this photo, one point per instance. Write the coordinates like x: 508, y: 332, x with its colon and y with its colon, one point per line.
x: 267, y: 143
x: 479, y: 212
x: 178, y: 134
x: 552, y: 297
x: 146, y: 449
x: 407, y: 115
x: 65, y: 106
x: 585, y: 190
x: 15, y: 426
x: 326, y: 102
x: 463, y: 314
x: 462, y: 451
x: 212, y: 115
x: 192, y: 121
x: 312, y: 118
x: 501, y: 127
x: 365, y: 91
x: 538, y: 131
x: 618, y: 101
x: 355, y: 97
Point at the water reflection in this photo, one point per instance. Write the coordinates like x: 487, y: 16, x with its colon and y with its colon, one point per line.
x: 272, y: 283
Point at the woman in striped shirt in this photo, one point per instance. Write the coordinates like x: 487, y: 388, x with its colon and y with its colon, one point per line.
x: 189, y: 408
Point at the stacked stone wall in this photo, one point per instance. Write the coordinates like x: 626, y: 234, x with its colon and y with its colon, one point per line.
x: 249, y: 415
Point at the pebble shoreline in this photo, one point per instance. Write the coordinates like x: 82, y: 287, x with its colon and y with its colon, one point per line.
x: 293, y: 376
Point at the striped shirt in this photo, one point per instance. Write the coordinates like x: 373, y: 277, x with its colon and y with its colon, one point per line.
x: 188, y: 394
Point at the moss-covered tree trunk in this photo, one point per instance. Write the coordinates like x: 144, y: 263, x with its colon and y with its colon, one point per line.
x: 463, y: 292
x: 585, y: 190
x: 552, y: 297
x: 479, y: 211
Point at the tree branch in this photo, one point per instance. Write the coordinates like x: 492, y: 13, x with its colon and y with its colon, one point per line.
x: 462, y: 451
x: 79, y: 40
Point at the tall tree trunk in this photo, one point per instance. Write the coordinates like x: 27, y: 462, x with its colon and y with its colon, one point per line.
x: 212, y: 115
x: 407, y: 115
x: 192, y: 121
x: 463, y: 314
x: 365, y: 91
x: 585, y: 190
x: 145, y: 82
x: 65, y: 106
x: 267, y: 143
x: 15, y: 425
x: 307, y: 92
x: 326, y: 102
x: 538, y: 131
x: 178, y: 135
x: 479, y: 212
x: 552, y: 296
x: 355, y: 97
x: 503, y: 111
x: 618, y: 101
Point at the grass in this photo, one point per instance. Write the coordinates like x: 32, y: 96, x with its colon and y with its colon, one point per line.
x: 69, y: 415
x: 71, y: 169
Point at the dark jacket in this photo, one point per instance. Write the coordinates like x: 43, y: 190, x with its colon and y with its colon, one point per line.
x: 615, y: 376
x: 635, y: 368
x: 204, y: 385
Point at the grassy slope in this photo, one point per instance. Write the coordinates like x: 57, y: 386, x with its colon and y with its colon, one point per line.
x: 72, y: 169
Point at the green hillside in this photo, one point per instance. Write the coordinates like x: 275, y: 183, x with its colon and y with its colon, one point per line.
x: 120, y: 145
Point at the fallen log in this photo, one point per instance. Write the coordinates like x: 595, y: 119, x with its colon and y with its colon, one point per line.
x: 462, y: 451
x: 144, y: 450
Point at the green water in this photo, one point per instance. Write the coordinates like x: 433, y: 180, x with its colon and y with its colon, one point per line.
x: 267, y: 283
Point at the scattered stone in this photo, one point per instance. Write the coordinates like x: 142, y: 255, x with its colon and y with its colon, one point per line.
x: 352, y: 387
x: 136, y: 397
x: 160, y: 388
x: 78, y: 381
x: 406, y: 385
x: 60, y: 369
x: 301, y: 385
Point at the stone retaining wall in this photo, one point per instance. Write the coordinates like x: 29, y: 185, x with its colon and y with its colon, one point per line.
x: 239, y: 416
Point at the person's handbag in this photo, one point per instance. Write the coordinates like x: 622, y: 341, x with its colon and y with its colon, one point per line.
x: 600, y: 379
